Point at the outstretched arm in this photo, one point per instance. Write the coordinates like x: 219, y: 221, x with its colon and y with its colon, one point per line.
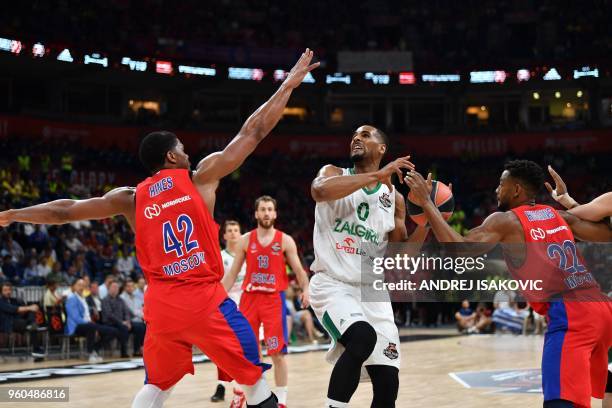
x: 493, y: 230
x: 587, y: 230
x: 596, y: 210
x: 256, y: 127
x: 295, y: 264
x: 119, y: 201
x: 331, y: 185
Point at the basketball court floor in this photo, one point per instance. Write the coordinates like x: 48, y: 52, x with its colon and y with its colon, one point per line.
x: 439, y: 369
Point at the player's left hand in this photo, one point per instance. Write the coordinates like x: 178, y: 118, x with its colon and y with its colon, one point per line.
x: 305, y: 298
x: 301, y: 68
x: 5, y: 219
x: 419, y: 187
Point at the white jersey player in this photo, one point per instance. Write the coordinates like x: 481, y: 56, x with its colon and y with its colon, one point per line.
x: 358, y: 212
x: 231, y: 236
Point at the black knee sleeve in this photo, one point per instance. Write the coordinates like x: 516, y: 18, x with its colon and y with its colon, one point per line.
x: 359, y: 340
x: 558, y: 404
x: 609, y: 383
x: 385, y: 384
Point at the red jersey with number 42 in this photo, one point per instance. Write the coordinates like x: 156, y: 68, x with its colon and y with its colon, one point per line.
x: 265, y: 270
x: 552, y: 256
x: 178, y: 249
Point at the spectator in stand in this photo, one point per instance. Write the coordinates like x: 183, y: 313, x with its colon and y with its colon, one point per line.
x: 465, y: 317
x: 125, y: 261
x: 51, y: 298
x: 79, y: 323
x: 10, y: 271
x: 104, y: 287
x: 16, y: 317
x: 73, y: 243
x: 32, y: 273
x: 66, y: 260
x: 115, y: 313
x: 141, y: 285
x: 81, y: 266
x: 94, y: 302
x: 483, y: 322
x: 298, y: 317
x: 12, y: 248
x: 507, y: 316
x: 134, y: 304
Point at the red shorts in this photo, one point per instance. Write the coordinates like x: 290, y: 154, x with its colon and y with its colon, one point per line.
x: 575, y: 358
x: 222, y: 333
x: 270, y: 310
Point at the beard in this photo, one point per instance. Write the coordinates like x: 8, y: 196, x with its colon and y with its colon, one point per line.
x: 357, y: 158
x: 503, y: 206
x: 267, y: 224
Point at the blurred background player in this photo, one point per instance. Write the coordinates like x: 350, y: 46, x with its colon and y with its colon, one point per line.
x: 597, y: 210
x: 185, y: 303
x: 575, y: 356
x: 231, y: 236
x: 263, y: 302
x: 349, y: 200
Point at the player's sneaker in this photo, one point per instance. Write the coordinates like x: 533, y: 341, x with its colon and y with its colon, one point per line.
x: 238, y: 400
x: 282, y: 406
x: 219, y: 394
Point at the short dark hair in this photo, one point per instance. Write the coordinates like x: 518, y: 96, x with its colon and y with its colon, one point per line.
x: 529, y: 173
x: 265, y: 198
x: 153, y: 149
x: 9, y: 284
x: 227, y: 223
x: 383, y: 136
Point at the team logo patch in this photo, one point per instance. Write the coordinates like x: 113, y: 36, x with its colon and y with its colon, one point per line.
x: 385, y: 200
x: 537, y: 233
x: 275, y: 248
x: 391, y: 351
x: 152, y: 211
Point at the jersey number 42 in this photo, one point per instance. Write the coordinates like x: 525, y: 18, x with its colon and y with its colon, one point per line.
x: 182, y: 247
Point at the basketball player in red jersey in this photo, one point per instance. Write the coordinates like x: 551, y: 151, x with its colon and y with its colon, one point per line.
x: 597, y: 210
x: 574, y: 361
x: 178, y: 249
x: 263, y: 301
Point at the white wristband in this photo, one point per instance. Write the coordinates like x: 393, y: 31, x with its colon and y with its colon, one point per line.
x: 566, y: 200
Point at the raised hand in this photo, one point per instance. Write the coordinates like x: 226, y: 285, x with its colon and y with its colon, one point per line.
x: 420, y: 188
x: 300, y: 69
x: 395, y: 167
x: 560, y: 187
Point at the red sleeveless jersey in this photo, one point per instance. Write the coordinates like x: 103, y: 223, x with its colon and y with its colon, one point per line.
x: 177, y: 248
x: 265, y: 270
x: 552, y: 256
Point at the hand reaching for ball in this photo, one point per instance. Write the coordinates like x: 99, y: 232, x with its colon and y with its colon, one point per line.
x: 428, y: 190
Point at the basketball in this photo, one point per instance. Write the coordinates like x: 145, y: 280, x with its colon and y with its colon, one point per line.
x: 441, y: 195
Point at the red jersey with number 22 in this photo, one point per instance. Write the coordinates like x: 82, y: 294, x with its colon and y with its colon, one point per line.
x: 552, y: 257
x: 265, y: 271
x: 178, y: 249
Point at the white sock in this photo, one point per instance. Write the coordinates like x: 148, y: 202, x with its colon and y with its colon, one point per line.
x: 224, y: 383
x: 257, y: 393
x: 237, y: 386
x: 281, y: 394
x: 150, y: 396
x: 330, y: 403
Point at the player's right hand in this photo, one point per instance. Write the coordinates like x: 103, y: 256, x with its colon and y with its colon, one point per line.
x: 5, y: 219
x: 300, y: 69
x: 395, y: 167
x: 560, y: 187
